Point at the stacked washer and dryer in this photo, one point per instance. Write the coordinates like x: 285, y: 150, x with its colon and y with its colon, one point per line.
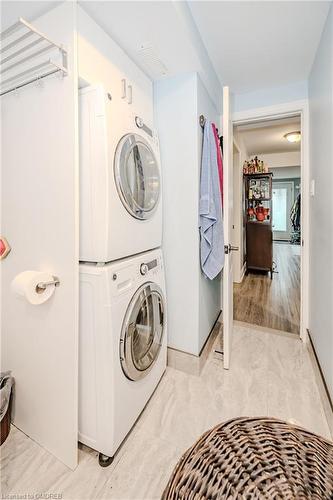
x: 122, y: 352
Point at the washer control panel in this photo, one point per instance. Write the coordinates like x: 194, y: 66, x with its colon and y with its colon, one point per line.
x: 145, y: 267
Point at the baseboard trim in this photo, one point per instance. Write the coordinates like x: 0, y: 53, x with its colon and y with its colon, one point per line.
x: 210, y: 333
x: 321, y: 383
x: 243, y: 272
x: 189, y: 363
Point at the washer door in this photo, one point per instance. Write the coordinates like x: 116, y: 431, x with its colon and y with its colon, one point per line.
x: 137, y: 176
x: 142, y: 331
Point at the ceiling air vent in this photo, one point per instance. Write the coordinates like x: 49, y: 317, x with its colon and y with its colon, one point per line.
x: 151, y: 60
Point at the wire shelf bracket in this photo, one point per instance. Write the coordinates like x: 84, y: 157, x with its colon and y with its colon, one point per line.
x: 27, y: 56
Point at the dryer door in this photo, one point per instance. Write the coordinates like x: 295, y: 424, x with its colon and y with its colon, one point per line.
x: 137, y: 176
x: 142, y: 331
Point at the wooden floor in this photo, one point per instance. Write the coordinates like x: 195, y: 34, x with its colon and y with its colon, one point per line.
x: 272, y: 303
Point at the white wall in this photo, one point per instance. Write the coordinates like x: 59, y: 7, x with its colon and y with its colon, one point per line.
x: 321, y: 221
x: 276, y: 160
x: 204, y: 67
x: 193, y: 302
x: 270, y: 96
x: 209, y: 291
x: 286, y: 173
x: 175, y: 107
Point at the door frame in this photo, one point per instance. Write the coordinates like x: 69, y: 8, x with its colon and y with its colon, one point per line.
x: 239, y: 269
x: 300, y: 108
x: 275, y: 185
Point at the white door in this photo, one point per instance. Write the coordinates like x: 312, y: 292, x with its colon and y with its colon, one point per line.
x: 227, y: 286
x: 283, y: 195
x: 39, y: 343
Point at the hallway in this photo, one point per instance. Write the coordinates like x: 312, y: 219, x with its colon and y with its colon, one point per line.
x: 272, y: 303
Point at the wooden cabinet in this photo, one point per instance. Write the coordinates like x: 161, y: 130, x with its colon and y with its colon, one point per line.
x: 258, y: 216
x: 259, y: 245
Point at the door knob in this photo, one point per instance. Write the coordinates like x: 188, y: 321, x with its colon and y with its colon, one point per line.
x: 230, y: 248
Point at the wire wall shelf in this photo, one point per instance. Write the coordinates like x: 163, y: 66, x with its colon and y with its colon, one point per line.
x: 28, y: 56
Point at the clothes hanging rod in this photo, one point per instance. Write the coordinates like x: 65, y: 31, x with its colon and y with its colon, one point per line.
x: 15, y: 86
x: 32, y: 80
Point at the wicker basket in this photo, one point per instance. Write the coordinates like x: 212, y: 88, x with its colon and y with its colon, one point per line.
x: 5, y: 422
x: 254, y: 458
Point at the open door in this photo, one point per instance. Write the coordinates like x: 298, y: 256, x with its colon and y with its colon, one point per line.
x: 39, y: 207
x: 227, y: 282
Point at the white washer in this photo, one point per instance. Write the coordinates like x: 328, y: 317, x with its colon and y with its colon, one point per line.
x: 120, y: 180
x: 123, y: 345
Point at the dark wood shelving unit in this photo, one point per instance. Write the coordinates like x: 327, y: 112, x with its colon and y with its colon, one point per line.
x: 259, y: 234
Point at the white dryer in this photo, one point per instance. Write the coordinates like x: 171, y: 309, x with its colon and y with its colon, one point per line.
x: 120, y: 180
x: 123, y: 346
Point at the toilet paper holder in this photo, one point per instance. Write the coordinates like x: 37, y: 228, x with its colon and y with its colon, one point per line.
x: 41, y: 287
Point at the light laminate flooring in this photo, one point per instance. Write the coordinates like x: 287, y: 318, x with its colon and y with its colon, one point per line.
x: 270, y: 375
x: 272, y: 303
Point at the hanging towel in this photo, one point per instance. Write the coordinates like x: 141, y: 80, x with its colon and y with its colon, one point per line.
x: 210, y: 208
x: 219, y: 159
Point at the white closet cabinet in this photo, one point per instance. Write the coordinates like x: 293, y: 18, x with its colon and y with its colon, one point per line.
x: 102, y: 61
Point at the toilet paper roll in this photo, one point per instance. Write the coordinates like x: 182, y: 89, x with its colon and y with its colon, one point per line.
x: 25, y: 285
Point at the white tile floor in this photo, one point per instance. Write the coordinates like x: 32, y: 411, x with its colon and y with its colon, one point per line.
x: 270, y: 374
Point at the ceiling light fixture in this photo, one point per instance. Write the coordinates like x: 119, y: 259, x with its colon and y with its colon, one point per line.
x: 293, y: 136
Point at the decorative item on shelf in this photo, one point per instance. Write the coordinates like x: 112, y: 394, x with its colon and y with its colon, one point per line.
x: 258, y: 189
x: 260, y: 214
x: 254, y: 166
x: 251, y: 213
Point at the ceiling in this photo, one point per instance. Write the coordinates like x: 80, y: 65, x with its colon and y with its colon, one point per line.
x: 165, y: 27
x: 256, y: 45
x: 267, y: 137
x: 29, y: 10
x: 251, y: 45
x: 135, y: 23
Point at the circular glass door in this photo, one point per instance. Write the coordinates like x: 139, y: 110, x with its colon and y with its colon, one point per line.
x: 137, y: 176
x: 142, y: 331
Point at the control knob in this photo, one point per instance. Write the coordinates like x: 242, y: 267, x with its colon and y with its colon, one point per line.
x: 144, y: 269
